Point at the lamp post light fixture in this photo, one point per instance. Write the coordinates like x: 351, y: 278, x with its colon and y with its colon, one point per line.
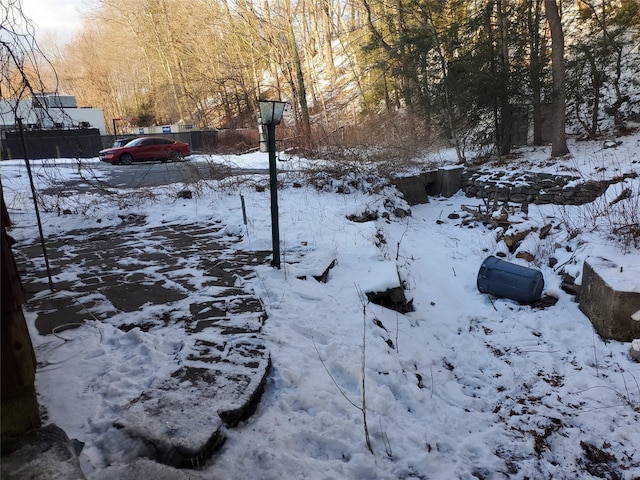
x: 270, y: 115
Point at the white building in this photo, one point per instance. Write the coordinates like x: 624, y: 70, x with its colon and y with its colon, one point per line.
x: 50, y: 111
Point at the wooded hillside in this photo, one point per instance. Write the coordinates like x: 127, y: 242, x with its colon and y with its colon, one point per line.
x: 468, y: 70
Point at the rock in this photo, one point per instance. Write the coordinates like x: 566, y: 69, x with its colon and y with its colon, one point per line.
x: 401, y: 212
x: 502, y: 218
x: 392, y: 298
x: 634, y: 350
x: 366, y: 216
x: 528, y: 248
x: 512, y: 239
x: 144, y: 468
x: 545, y: 231
x: 185, y: 194
x: 312, y: 264
x: 43, y: 453
x: 325, y: 274
x: 525, y: 256
x: 568, y: 284
x: 546, y: 301
x: 182, y: 418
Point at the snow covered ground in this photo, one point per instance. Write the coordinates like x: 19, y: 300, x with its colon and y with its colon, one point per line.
x: 465, y: 386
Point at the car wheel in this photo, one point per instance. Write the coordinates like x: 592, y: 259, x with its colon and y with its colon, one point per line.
x: 176, y: 157
x: 126, y: 159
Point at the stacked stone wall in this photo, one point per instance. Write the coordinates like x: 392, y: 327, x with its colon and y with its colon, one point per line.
x: 533, y: 187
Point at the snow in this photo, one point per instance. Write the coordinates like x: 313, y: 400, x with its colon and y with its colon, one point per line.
x: 465, y: 386
x: 619, y: 272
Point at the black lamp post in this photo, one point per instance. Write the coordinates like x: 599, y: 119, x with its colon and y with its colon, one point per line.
x: 270, y: 115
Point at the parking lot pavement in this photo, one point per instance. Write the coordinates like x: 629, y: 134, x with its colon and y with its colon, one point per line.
x: 195, y: 279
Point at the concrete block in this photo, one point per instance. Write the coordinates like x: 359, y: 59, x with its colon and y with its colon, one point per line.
x: 450, y: 180
x: 610, y: 297
x: 417, y: 188
x: 445, y: 181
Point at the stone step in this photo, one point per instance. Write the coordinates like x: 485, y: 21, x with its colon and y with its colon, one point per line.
x: 181, y: 417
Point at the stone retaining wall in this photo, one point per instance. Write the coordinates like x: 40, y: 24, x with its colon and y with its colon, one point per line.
x: 532, y: 187
x: 517, y: 187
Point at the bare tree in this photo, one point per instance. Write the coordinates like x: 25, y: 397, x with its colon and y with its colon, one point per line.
x: 22, y: 64
x: 446, y: 64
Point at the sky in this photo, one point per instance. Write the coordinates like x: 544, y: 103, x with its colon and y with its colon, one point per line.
x: 58, y: 17
x: 465, y: 386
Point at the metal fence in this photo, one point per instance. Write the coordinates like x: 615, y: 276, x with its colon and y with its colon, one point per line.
x: 86, y: 143
x: 82, y: 143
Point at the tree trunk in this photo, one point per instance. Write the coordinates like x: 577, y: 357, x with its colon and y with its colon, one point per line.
x: 597, y: 80
x: 302, y: 92
x: 328, y: 40
x: 506, y: 112
x: 559, y: 139
x: 444, y: 70
x: 535, y: 68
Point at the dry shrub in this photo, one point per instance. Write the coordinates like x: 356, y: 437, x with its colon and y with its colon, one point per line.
x: 366, y: 156
x: 236, y: 141
x: 617, y: 213
x: 623, y: 218
x: 397, y: 137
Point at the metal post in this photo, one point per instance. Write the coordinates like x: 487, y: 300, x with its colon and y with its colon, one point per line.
x: 273, y: 186
x: 244, y: 210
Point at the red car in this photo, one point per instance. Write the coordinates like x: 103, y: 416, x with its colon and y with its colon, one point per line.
x: 146, y: 149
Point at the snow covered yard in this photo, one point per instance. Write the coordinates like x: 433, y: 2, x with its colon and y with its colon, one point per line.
x: 465, y: 386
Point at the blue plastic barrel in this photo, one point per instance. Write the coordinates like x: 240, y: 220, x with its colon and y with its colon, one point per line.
x: 503, y: 279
